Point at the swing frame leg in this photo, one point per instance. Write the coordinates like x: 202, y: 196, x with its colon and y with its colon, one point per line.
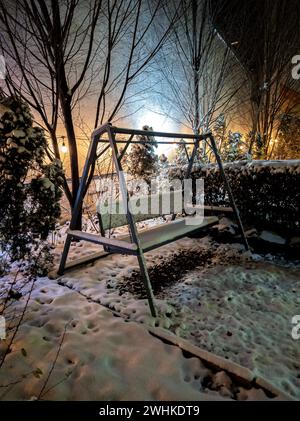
x: 229, y: 191
x: 147, y: 282
x: 80, y: 195
x: 64, y: 256
x: 131, y: 222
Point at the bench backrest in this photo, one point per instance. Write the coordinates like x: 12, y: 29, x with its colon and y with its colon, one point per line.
x: 113, y: 213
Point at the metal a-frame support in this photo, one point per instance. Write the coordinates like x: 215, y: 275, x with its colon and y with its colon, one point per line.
x: 134, y: 248
x: 91, y: 156
x: 131, y: 222
x: 78, y: 203
x: 214, y: 148
x: 229, y: 191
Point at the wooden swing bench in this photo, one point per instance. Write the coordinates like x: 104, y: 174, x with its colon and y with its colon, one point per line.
x: 137, y: 242
x: 156, y: 205
x: 150, y: 238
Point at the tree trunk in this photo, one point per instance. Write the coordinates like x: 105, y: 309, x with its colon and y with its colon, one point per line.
x: 65, y: 99
x: 67, y: 114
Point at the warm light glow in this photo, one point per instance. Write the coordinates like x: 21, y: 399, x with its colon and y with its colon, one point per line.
x: 273, y: 142
x: 159, y: 123
x: 64, y: 148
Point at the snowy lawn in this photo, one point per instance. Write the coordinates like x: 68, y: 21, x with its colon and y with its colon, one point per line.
x: 101, y: 357
x: 71, y: 347
x: 215, y: 296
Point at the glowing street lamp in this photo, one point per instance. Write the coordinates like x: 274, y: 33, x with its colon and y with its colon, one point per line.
x: 64, y: 147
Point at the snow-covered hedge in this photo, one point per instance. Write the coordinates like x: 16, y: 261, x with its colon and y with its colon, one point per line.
x: 267, y: 192
x: 30, y: 187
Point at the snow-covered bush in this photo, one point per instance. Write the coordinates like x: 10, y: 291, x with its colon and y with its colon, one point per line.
x: 142, y: 159
x: 234, y: 141
x: 162, y: 182
x: 287, y: 144
x: 30, y: 188
x: 267, y: 192
x: 233, y: 146
x: 180, y: 153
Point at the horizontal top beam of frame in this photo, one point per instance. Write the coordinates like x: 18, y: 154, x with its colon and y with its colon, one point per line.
x: 120, y: 130
x: 97, y: 133
x: 145, y: 142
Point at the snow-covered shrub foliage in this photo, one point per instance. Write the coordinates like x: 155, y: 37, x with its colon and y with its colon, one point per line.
x: 30, y: 188
x: 267, y: 192
x: 142, y: 159
x: 287, y: 144
x: 180, y: 153
x: 162, y: 178
x: 220, y: 130
x: 232, y: 145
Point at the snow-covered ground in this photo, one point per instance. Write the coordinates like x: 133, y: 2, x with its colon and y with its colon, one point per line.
x: 218, y: 297
x: 215, y: 296
x: 101, y: 357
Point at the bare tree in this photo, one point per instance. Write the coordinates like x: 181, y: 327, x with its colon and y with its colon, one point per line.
x: 265, y: 50
x: 40, y: 44
x: 63, y: 54
x: 198, y: 68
